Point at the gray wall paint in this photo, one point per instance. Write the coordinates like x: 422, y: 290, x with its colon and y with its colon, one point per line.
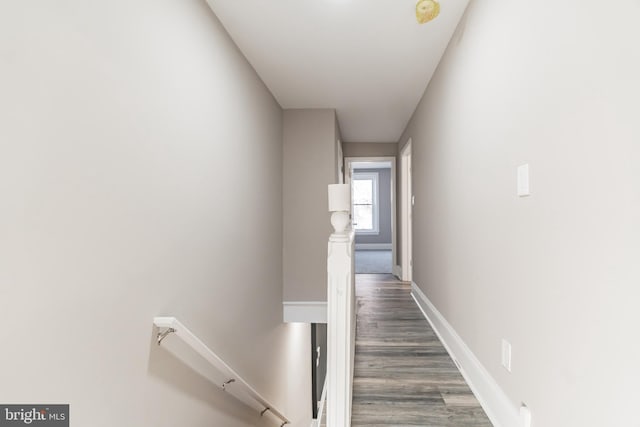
x: 140, y: 175
x: 309, y: 167
x: 369, y: 149
x: 556, y: 273
x: 384, y: 195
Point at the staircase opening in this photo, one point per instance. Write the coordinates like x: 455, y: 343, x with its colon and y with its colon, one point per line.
x: 318, y: 365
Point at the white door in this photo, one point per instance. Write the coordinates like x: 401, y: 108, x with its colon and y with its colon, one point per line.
x: 406, y: 214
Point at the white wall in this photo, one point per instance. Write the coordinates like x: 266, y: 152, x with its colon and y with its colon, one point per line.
x: 140, y: 175
x: 556, y: 86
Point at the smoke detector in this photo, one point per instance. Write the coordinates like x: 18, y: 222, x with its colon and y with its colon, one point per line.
x: 427, y: 10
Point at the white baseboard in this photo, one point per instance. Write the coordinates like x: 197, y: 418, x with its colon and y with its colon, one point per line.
x: 494, y: 401
x: 374, y: 246
x: 304, y: 311
x: 396, y: 270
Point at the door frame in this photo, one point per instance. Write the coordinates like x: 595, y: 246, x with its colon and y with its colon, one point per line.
x: 347, y: 180
x: 406, y: 213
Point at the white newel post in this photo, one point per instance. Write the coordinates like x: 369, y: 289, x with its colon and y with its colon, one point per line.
x: 341, y: 308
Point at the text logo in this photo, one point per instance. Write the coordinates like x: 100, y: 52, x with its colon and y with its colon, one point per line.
x: 34, y: 415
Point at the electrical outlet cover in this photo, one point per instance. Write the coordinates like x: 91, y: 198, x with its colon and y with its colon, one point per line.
x: 523, y: 181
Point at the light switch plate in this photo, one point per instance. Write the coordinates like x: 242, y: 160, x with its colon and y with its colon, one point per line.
x: 523, y: 181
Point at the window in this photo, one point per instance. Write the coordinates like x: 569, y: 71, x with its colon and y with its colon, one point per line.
x: 365, y: 202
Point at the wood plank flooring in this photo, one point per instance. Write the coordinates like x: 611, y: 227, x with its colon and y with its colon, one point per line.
x: 403, y: 374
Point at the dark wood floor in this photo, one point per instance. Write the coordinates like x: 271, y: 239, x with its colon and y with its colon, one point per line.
x: 403, y: 374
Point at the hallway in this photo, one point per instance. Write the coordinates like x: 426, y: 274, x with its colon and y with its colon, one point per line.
x: 373, y: 261
x: 403, y: 374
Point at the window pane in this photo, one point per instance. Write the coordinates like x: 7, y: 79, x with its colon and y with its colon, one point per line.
x: 363, y: 191
x: 363, y: 217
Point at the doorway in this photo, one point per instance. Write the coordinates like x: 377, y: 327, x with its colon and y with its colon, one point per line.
x: 373, y: 212
x: 406, y: 214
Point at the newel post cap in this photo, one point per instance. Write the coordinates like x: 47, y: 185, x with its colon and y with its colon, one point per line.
x: 339, y: 198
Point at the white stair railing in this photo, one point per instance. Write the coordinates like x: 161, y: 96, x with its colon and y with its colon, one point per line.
x: 341, y: 311
x: 226, y: 377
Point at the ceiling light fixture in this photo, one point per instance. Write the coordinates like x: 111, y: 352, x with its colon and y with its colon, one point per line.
x: 426, y: 10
